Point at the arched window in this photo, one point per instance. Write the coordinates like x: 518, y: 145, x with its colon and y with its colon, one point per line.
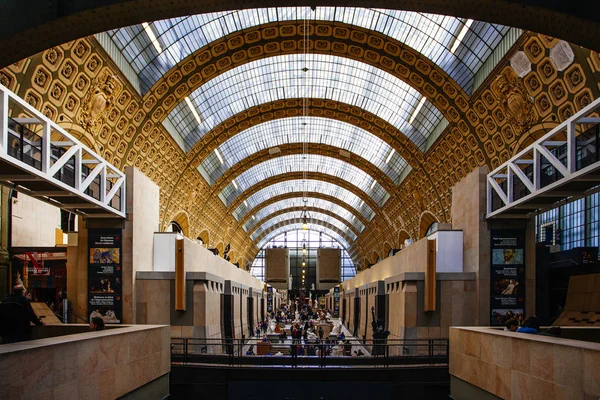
x: 432, y: 229
x: 175, y: 227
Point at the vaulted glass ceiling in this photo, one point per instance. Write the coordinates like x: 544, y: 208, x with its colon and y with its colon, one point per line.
x: 282, y: 77
x: 310, y: 185
x: 304, y: 163
x: 298, y: 202
x: 297, y: 218
x: 313, y: 227
x: 154, y: 50
x: 291, y: 130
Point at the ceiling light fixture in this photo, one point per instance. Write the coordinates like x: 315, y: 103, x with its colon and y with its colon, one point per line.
x: 254, y: 218
x: 152, y: 37
x: 461, y: 35
x: 416, y: 112
x: 373, y: 184
x: 193, y: 109
x: 234, y: 184
x: 245, y: 203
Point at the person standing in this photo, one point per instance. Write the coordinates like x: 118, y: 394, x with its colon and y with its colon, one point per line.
x: 16, y: 314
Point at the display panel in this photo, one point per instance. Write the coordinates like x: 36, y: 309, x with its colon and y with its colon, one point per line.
x: 105, y: 275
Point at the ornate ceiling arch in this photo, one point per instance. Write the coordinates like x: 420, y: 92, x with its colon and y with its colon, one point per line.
x: 314, y: 216
x: 23, y: 35
x: 291, y: 108
x: 298, y: 176
x: 295, y: 223
x: 338, y: 39
x: 298, y: 149
x: 309, y: 195
x: 299, y: 210
x: 318, y: 108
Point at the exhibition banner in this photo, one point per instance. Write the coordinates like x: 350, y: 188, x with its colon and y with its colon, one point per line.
x: 336, y: 302
x: 507, y: 276
x: 105, y: 275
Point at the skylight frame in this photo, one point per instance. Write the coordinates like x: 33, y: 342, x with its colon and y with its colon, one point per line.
x: 295, y: 185
x: 317, y: 130
x: 309, y: 163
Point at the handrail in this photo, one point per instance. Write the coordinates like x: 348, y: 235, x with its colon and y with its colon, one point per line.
x: 380, y: 353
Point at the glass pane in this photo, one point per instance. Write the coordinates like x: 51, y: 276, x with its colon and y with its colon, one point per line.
x: 296, y: 185
x: 433, y: 35
x: 297, y: 217
x: 311, y: 203
x: 328, y: 77
x: 297, y: 227
x: 304, y: 163
x: 304, y: 130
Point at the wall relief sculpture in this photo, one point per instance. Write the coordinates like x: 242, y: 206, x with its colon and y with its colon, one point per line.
x: 514, y: 101
x: 98, y: 99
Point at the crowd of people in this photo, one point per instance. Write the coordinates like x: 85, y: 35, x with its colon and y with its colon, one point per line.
x: 305, y: 335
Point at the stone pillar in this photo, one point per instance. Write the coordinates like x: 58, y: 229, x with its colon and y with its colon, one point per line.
x: 468, y: 214
x: 137, y: 244
x: 143, y: 213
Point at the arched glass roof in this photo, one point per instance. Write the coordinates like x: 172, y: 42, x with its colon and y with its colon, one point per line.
x: 297, y: 202
x: 154, y: 49
x: 296, y: 218
x: 291, y: 130
x: 298, y: 226
x: 304, y: 163
x: 328, y: 77
x: 311, y: 185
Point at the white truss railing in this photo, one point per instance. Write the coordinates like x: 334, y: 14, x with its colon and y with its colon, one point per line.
x: 108, y: 181
x: 564, y: 134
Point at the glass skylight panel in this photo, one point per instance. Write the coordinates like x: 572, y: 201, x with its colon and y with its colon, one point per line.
x: 313, y: 227
x: 309, y: 163
x: 432, y: 35
x: 328, y: 77
x: 311, y: 203
x: 310, y: 185
x: 296, y: 217
x: 291, y: 130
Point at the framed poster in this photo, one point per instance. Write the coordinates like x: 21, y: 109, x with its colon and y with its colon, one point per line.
x: 336, y: 302
x: 507, y: 276
x: 105, y: 275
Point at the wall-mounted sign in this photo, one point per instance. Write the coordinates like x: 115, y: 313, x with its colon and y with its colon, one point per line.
x: 105, y: 275
x: 507, y: 276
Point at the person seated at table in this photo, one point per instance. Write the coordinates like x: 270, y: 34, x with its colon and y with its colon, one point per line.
x: 265, y: 339
x: 250, y: 351
x: 341, y: 336
x: 300, y: 350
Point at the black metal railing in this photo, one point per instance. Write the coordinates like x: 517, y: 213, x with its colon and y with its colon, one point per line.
x: 237, y: 352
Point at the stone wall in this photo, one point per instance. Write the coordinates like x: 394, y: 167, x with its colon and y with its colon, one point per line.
x: 521, y: 366
x: 92, y: 365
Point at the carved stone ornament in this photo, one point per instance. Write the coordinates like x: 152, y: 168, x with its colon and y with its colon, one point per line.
x: 513, y: 98
x: 97, y: 100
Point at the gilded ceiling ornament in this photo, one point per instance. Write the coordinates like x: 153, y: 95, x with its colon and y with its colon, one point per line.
x: 512, y: 96
x: 98, y: 99
x: 418, y: 201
